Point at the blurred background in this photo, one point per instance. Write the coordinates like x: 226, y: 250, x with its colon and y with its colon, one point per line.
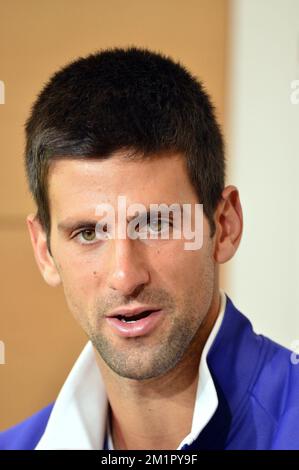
x: 247, y: 54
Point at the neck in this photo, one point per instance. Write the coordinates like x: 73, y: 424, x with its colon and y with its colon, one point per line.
x: 157, y: 413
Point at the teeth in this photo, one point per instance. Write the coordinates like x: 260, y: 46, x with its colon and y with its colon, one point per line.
x: 141, y: 315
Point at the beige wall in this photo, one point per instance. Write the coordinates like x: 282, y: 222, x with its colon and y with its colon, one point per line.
x: 36, y: 38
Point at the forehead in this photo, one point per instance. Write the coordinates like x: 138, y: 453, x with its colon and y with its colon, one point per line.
x: 85, y: 183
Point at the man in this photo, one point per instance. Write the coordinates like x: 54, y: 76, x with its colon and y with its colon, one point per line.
x: 171, y: 363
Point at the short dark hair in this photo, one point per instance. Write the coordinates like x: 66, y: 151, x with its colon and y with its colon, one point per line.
x: 125, y: 98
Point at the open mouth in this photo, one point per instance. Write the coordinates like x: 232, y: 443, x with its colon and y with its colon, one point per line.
x: 134, y: 318
x: 140, y: 324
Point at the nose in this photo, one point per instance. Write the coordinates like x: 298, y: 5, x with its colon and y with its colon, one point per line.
x: 128, y: 270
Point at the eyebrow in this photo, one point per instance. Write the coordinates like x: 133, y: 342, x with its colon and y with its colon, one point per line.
x: 68, y: 225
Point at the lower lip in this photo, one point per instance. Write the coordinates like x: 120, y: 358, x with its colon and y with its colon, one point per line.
x: 139, y: 328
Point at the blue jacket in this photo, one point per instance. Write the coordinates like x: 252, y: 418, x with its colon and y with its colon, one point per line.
x: 258, y: 392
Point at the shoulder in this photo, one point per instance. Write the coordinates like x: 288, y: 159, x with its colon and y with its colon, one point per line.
x: 276, y: 392
x: 26, y: 435
x: 280, y: 372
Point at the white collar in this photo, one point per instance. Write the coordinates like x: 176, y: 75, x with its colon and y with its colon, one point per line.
x: 79, y: 416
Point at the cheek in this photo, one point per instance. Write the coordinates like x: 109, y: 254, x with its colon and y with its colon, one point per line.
x: 185, y: 266
x: 78, y: 268
x: 81, y: 285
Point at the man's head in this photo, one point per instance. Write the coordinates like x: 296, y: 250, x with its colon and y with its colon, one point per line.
x: 129, y: 122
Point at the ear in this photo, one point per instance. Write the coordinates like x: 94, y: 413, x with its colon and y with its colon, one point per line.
x: 43, y: 258
x: 229, y: 225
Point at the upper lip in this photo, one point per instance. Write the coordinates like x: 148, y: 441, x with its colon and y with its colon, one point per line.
x: 130, y: 312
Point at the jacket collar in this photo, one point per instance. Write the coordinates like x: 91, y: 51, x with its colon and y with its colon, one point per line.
x: 234, y: 362
x: 234, y: 356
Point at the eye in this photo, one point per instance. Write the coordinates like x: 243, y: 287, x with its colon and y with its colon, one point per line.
x: 155, y: 225
x: 86, y: 236
x: 158, y: 225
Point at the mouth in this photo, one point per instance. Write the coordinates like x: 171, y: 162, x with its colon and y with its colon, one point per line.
x: 131, y: 325
x: 134, y: 318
